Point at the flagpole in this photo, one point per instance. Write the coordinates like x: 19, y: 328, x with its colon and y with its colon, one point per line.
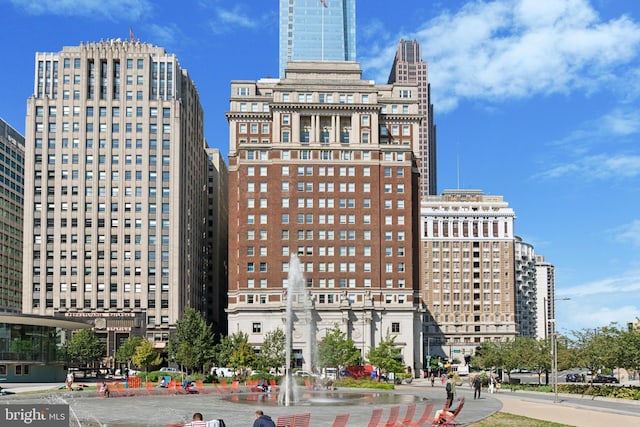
x: 322, y: 7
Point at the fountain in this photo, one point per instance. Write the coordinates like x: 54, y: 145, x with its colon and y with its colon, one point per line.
x: 296, y: 307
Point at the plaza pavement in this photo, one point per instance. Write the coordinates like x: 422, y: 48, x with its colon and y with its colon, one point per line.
x: 160, y: 410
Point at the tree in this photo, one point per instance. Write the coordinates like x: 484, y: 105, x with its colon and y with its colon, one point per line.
x: 337, y: 350
x: 128, y: 349
x: 84, y: 347
x: 244, y: 356
x: 146, y: 356
x: 594, y: 348
x: 386, y: 355
x: 223, y: 350
x: 192, y: 343
x: 273, y: 352
x: 630, y: 349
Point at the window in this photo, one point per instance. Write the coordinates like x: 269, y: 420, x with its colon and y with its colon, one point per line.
x: 395, y: 327
x: 257, y: 327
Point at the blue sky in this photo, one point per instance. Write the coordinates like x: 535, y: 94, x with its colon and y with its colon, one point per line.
x: 535, y: 100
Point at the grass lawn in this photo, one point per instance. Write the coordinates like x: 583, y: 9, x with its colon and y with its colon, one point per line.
x: 501, y: 419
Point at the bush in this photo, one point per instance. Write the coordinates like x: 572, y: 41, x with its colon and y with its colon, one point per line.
x: 363, y: 383
x: 595, y: 390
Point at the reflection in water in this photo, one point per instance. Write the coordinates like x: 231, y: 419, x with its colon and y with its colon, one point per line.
x: 331, y: 398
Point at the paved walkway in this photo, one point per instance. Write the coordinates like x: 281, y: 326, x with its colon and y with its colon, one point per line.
x: 570, y: 409
x: 159, y: 410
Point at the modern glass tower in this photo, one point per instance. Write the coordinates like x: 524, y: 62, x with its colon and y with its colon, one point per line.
x: 317, y: 30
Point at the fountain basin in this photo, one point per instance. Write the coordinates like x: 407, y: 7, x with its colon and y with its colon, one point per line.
x: 326, y: 398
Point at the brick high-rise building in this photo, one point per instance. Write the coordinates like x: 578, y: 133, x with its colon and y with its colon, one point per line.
x: 11, y: 211
x: 115, y: 190
x: 322, y: 164
x: 408, y: 67
x: 468, y: 272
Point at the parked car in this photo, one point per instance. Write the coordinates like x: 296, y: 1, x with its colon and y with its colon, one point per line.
x: 303, y: 374
x: 605, y: 379
x: 167, y: 370
x: 222, y: 372
x: 572, y: 378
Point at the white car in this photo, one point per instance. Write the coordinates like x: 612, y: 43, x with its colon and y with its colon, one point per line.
x: 223, y: 372
x: 171, y: 370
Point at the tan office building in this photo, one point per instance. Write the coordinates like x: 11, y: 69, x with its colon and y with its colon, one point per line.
x: 323, y: 165
x: 467, y: 272
x: 115, y: 190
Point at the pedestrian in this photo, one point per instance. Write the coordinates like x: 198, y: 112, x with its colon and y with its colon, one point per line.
x: 433, y: 380
x: 450, y: 388
x: 197, y: 421
x: 263, y: 420
x: 69, y: 380
x: 104, y: 390
x: 491, y: 384
x: 477, y: 387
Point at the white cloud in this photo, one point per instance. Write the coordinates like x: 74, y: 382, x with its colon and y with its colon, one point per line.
x: 621, y: 122
x: 164, y: 35
x: 596, y: 167
x: 604, y: 288
x: 510, y: 49
x: 596, y: 314
x: 599, y: 303
x: 111, y: 9
x: 629, y: 232
x: 228, y: 20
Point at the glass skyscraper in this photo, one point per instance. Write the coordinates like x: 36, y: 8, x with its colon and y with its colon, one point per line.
x: 317, y: 30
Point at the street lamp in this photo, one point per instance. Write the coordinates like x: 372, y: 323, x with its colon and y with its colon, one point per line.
x: 554, y: 350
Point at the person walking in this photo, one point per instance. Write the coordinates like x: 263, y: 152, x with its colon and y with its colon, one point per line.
x: 433, y: 380
x: 477, y: 387
x: 491, y: 384
x: 450, y: 388
x: 263, y: 420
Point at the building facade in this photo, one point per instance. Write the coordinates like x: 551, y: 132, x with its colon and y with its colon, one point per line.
x: 115, y: 190
x: 545, y: 297
x: 526, y: 288
x: 32, y: 347
x: 317, y: 30
x: 322, y: 165
x: 217, y: 238
x: 408, y: 67
x: 467, y: 272
x: 11, y: 212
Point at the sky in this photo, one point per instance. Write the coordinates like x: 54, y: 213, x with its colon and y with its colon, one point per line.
x: 535, y: 100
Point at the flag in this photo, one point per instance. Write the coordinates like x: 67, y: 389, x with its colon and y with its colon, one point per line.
x: 324, y: 3
x: 130, y: 34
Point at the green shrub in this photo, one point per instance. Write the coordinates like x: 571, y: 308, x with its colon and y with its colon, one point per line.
x: 363, y: 383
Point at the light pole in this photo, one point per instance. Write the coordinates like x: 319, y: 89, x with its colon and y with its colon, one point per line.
x: 554, y: 349
x: 554, y: 361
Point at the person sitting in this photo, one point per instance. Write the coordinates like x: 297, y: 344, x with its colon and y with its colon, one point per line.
x: 104, y: 390
x: 163, y: 382
x: 190, y: 387
x: 330, y: 384
x: 197, y: 421
x: 443, y: 415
